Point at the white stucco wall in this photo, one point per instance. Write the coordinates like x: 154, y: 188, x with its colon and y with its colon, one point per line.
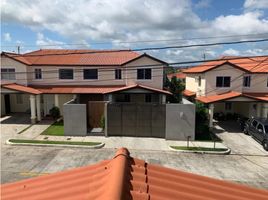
x: 258, y: 83
x: 19, y: 107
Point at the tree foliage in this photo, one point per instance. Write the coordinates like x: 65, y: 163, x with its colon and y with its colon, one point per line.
x: 176, y: 87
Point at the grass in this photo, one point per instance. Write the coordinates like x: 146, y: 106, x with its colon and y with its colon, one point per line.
x: 53, y: 142
x: 55, y: 129
x: 198, y: 148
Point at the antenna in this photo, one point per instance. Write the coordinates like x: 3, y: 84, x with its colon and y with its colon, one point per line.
x: 18, y: 49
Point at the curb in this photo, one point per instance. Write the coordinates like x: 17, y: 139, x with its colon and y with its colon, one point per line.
x: 98, y: 146
x: 227, y: 152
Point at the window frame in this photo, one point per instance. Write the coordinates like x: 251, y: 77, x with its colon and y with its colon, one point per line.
x: 247, y: 81
x: 8, y: 75
x: 91, y: 78
x: 118, y: 74
x: 223, y: 81
x: 144, y: 74
x: 36, y: 73
x: 60, y: 71
x: 148, y: 98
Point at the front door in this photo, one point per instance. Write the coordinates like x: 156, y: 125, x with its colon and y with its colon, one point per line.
x: 7, y: 103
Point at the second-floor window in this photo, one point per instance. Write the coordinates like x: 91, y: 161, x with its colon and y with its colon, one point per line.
x: 144, y: 73
x: 90, y: 73
x: 38, y: 73
x: 118, y: 74
x: 246, y: 81
x: 8, y: 74
x: 66, y: 73
x: 223, y: 81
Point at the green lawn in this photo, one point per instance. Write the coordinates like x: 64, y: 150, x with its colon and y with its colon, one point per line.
x: 53, y: 142
x: 198, y: 148
x: 55, y: 129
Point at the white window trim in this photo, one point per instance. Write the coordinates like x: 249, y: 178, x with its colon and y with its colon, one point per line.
x: 41, y: 79
x: 65, y: 79
x: 249, y: 81
x: 145, y: 79
x: 90, y: 79
x: 15, y: 78
x: 223, y: 82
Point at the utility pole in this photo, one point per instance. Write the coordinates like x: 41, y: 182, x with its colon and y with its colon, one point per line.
x: 18, y: 49
x: 204, y: 56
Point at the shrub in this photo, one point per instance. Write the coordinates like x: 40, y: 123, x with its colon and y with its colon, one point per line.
x: 102, y: 122
x: 55, y: 112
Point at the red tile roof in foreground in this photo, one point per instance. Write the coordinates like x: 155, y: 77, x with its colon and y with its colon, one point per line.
x: 178, y: 75
x: 232, y: 94
x: 188, y: 93
x: 74, y: 57
x: 250, y: 65
x: 21, y: 88
x: 127, y: 178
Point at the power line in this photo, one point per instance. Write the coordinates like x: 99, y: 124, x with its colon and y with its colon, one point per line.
x: 143, y: 41
x: 145, y: 49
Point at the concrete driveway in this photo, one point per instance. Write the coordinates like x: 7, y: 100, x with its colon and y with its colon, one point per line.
x: 240, y: 143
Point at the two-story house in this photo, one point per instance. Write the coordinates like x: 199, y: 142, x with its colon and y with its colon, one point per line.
x: 34, y: 82
x: 231, y: 85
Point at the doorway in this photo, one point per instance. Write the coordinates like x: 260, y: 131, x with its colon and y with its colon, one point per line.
x: 7, y: 103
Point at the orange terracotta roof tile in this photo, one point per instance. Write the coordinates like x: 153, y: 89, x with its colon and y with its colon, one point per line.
x: 21, y: 88
x: 258, y: 96
x: 76, y: 89
x: 127, y: 178
x: 188, y: 93
x: 251, y: 65
x: 230, y: 95
x: 142, y: 87
x: 178, y: 75
x: 218, y: 97
x: 74, y: 57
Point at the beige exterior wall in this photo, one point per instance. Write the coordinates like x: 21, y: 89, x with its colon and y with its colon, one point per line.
x: 19, y: 67
x: 16, y: 106
x: 225, y: 70
x: 157, y: 73
x: 63, y: 98
x: 258, y: 83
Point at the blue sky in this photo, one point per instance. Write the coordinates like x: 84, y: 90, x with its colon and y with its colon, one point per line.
x: 56, y: 24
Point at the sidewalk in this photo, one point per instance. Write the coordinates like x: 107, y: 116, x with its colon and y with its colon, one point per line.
x: 133, y: 143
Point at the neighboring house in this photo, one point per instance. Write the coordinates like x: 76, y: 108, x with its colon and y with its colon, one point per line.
x: 178, y: 75
x: 231, y: 85
x: 35, y: 82
x: 126, y: 178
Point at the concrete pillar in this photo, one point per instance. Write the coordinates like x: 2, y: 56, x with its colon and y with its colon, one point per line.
x: 211, y: 112
x: 38, y: 107
x: 265, y: 110
x: 33, y: 109
x: 56, y: 100
x: 162, y: 98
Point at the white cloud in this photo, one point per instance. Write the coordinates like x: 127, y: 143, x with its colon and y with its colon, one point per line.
x: 44, y: 42
x: 7, y: 37
x: 256, y: 4
x: 231, y: 52
x: 202, y: 4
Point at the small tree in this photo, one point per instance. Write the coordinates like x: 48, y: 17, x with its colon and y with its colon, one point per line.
x: 201, y: 119
x: 175, y: 86
x: 55, y: 112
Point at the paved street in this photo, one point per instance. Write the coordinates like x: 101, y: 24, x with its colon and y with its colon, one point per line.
x: 21, y: 162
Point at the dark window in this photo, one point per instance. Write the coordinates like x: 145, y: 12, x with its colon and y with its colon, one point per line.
x: 223, y: 81
x: 246, y: 81
x: 38, y: 73
x: 148, y: 98
x: 266, y: 129
x: 260, y: 127
x: 199, y: 81
x: 118, y: 74
x: 8, y: 74
x: 228, y: 106
x: 90, y: 73
x: 254, y: 123
x: 144, y: 73
x: 127, y: 98
x: 66, y: 73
